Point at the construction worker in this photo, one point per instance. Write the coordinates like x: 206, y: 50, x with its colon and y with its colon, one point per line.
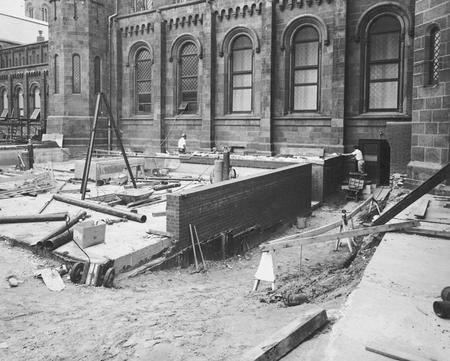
x: 182, y: 144
x: 357, y: 154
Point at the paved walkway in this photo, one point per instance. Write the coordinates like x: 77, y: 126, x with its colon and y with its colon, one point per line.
x: 393, y: 305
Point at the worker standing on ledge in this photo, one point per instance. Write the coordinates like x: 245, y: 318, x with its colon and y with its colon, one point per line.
x: 182, y: 144
x: 358, y: 157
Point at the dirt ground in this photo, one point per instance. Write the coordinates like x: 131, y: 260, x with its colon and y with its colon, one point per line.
x: 170, y: 315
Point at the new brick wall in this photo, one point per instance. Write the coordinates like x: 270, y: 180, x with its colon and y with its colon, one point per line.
x: 238, y: 204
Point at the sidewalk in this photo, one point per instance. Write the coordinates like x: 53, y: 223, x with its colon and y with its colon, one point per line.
x: 393, y: 305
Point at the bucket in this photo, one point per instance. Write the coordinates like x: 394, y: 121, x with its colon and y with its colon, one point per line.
x: 442, y: 309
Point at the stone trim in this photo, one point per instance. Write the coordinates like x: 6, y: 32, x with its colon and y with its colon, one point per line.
x: 291, y: 4
x: 135, y: 47
x: 233, y: 33
x: 174, y: 23
x: 178, y: 43
x: 377, y: 10
x: 243, y: 11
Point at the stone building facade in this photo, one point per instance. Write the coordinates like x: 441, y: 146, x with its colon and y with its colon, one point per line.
x: 259, y: 76
x: 37, y: 9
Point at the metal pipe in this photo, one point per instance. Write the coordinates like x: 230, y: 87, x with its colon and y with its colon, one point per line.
x: 59, y: 240
x: 53, y: 217
x: 110, y: 27
x: 80, y: 216
x: 102, y: 209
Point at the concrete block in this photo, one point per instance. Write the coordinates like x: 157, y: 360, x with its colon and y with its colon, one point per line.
x: 88, y: 234
x: 104, y: 169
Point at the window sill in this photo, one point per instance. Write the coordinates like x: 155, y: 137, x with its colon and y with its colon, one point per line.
x: 238, y: 116
x: 304, y: 115
x: 380, y: 115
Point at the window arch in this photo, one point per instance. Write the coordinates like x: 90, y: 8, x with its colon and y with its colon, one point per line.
x: 97, y: 75
x: 433, y: 52
x: 56, y: 73
x: 188, y: 78
x: 241, y: 74
x: 305, y: 69
x: 76, y: 74
x: 143, y: 81
x: 384, y: 64
x: 44, y: 14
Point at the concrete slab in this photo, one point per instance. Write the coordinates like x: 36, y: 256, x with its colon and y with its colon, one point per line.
x: 393, y: 305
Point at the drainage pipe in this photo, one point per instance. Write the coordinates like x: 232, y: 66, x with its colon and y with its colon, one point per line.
x: 80, y: 216
x: 59, y: 240
x: 53, y: 217
x: 102, y: 209
x: 110, y: 29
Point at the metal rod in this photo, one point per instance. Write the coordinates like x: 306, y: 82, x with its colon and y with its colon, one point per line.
x: 119, y: 139
x: 80, y: 216
x: 193, y: 246
x: 102, y: 209
x: 87, y: 164
x: 53, y: 217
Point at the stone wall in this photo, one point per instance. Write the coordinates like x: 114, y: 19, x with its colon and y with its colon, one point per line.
x: 431, y: 103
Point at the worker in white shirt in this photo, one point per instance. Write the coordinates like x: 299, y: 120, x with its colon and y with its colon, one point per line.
x: 182, y: 144
x: 357, y: 154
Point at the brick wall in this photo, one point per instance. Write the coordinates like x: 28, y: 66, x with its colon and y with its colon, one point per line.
x: 431, y: 103
x: 238, y: 204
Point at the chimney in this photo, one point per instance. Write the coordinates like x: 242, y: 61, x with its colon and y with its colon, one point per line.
x: 40, y: 37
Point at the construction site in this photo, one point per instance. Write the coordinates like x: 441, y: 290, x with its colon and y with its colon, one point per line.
x: 225, y: 180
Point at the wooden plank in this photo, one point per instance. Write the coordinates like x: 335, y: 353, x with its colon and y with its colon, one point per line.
x: 288, y: 338
x: 323, y: 229
x: 277, y: 244
x: 421, y: 208
x: 394, y: 354
x: 442, y: 175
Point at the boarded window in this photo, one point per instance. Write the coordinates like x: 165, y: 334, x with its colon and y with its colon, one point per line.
x: 97, y: 75
x: 143, y: 77
x: 305, y: 70
x: 188, y: 78
x: 241, y: 74
x: 384, y: 64
x: 76, y: 74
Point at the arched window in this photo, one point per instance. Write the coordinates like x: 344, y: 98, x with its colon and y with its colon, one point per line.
x: 44, y: 14
x: 433, y: 55
x: 97, y: 75
x: 76, y: 74
x: 30, y: 11
x: 384, y: 64
x: 4, y: 103
x: 188, y: 78
x: 141, y: 5
x: 143, y: 78
x: 20, y: 102
x: 305, y: 69
x: 36, y: 98
x: 241, y: 77
x: 56, y: 73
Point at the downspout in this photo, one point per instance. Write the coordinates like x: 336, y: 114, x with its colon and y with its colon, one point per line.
x: 110, y: 50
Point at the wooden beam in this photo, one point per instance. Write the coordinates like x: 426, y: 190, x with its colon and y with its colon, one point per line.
x: 288, y: 338
x: 442, y: 175
x: 394, y: 354
x: 277, y: 244
x: 328, y: 227
x: 421, y: 208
